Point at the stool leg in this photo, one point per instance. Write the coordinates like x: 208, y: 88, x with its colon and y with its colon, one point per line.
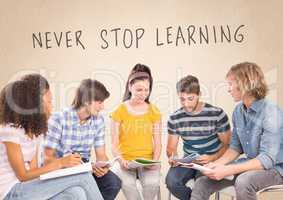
x: 159, y: 194
x: 169, y: 196
x: 217, y: 196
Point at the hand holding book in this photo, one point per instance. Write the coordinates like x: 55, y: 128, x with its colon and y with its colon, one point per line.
x: 100, y: 168
x: 174, y: 161
x: 188, y: 162
x: 107, y: 163
x: 205, y: 159
x: 196, y: 166
x: 188, y: 159
x: 207, y: 170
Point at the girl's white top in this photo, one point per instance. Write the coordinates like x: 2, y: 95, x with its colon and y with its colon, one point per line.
x: 8, y: 133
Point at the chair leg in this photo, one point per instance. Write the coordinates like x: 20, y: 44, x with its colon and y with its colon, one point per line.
x: 217, y: 196
x: 159, y: 194
x: 169, y: 195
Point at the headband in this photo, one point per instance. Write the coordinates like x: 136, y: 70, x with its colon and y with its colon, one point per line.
x: 138, y: 75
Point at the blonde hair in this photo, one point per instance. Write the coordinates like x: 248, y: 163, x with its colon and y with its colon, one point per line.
x: 250, y: 79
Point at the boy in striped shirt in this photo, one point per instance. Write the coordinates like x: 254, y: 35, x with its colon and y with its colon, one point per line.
x: 203, y: 128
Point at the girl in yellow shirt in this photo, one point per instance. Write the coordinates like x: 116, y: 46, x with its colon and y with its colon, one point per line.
x: 136, y: 133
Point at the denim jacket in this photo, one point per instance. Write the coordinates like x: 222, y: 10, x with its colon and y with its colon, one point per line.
x: 257, y: 132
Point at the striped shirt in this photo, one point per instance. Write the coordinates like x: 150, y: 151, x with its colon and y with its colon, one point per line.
x: 199, y: 131
x: 66, y: 134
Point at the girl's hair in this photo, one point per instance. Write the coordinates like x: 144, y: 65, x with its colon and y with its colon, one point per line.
x: 88, y: 91
x: 250, y: 79
x: 138, y: 73
x: 21, y: 104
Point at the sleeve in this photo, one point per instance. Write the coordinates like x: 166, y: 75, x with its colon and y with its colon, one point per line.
x: 235, y: 143
x: 9, y: 134
x: 171, y: 126
x: 222, y: 124
x: 156, y: 114
x: 54, y: 133
x: 117, y: 114
x: 99, y: 138
x: 271, y: 137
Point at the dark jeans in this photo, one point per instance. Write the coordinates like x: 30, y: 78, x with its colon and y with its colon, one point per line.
x: 109, y: 185
x: 176, y: 180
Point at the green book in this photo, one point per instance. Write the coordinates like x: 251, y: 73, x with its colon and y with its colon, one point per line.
x: 146, y: 161
x: 142, y: 162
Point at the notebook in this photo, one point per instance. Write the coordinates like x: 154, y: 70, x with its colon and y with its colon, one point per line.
x: 85, y: 167
x: 141, y: 162
x: 203, y: 169
x: 108, y: 163
x: 188, y: 159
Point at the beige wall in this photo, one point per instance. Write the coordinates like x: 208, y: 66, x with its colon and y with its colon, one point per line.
x: 65, y: 67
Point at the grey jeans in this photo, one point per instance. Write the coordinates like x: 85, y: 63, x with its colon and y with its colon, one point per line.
x: 246, y: 184
x: 149, y: 179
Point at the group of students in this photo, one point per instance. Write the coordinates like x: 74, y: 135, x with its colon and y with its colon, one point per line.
x: 70, y: 135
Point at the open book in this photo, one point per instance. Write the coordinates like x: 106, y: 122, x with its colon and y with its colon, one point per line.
x: 108, y: 163
x: 203, y: 169
x: 195, y: 166
x: 188, y: 159
x: 85, y: 167
x: 188, y: 162
x: 142, y: 162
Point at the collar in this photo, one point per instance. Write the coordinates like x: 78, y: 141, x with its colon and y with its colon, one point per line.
x: 256, y: 106
x: 76, y: 119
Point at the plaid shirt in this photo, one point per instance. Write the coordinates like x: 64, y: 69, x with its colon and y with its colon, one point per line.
x: 67, y: 135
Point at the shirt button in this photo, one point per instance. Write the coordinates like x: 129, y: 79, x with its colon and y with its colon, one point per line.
x: 248, y: 131
x: 247, y: 142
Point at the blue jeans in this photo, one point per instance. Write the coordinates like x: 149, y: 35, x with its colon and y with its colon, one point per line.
x: 75, y: 187
x: 176, y: 180
x: 109, y: 185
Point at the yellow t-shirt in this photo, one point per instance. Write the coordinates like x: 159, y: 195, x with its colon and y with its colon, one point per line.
x: 136, y: 132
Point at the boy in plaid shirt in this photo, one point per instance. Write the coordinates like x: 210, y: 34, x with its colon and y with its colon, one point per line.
x: 74, y: 131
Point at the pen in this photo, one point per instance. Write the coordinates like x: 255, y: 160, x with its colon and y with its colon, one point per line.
x: 69, y: 152
x: 83, y: 160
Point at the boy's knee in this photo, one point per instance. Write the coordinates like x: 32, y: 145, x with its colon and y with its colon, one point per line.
x: 201, y: 183
x: 171, y: 180
x: 243, y: 184
x: 116, y: 182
